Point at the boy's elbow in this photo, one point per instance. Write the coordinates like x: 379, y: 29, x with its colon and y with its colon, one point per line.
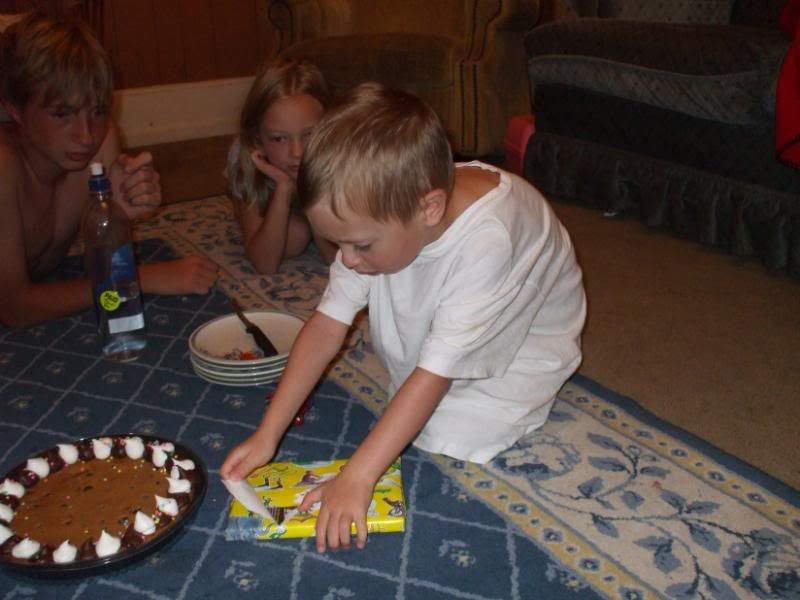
x: 11, y: 318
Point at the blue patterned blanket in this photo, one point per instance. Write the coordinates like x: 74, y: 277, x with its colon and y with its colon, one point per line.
x: 605, y: 501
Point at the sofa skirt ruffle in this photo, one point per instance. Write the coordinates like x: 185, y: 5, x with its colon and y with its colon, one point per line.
x: 745, y: 220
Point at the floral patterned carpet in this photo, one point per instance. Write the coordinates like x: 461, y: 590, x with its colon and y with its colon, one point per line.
x: 605, y: 501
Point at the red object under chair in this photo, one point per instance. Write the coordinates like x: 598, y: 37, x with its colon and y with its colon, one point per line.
x: 515, y: 141
x: 787, y: 101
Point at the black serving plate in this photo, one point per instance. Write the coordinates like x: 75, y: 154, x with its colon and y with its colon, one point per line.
x: 92, y: 566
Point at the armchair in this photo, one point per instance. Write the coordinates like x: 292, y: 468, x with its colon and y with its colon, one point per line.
x: 666, y: 111
x: 464, y: 57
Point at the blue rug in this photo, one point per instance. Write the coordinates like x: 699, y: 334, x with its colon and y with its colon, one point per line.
x: 605, y: 501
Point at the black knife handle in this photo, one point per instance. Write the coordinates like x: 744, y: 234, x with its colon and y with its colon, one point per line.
x: 262, y: 341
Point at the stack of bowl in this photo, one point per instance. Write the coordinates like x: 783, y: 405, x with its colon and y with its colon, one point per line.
x: 223, y: 352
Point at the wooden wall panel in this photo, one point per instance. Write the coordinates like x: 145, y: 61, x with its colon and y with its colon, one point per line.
x: 135, y: 53
x: 199, y: 45
x: 174, y: 41
x: 155, y: 42
x: 169, y: 41
x: 236, y: 35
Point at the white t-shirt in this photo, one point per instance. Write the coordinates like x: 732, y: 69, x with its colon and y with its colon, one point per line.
x: 496, y: 304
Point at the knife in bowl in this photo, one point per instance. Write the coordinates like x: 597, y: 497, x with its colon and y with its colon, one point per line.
x: 262, y: 341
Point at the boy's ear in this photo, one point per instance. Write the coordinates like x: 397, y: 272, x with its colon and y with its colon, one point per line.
x: 434, y: 205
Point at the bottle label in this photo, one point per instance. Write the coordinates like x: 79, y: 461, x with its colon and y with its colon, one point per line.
x: 118, y: 295
x: 126, y: 323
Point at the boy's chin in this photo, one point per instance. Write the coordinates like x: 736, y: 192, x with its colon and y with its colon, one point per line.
x: 76, y: 162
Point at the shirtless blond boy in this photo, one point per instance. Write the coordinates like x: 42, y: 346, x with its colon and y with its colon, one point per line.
x: 55, y: 84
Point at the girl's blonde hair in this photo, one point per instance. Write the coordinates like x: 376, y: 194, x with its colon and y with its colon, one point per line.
x: 59, y: 59
x: 275, y: 80
x: 377, y: 152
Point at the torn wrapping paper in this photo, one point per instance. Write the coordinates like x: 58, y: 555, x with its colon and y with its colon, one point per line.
x: 265, y: 504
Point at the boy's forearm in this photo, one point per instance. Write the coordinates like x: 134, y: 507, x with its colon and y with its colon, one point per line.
x: 45, y: 301
x: 404, y: 417
x: 317, y: 344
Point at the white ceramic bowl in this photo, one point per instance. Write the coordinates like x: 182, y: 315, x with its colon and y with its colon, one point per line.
x: 221, y: 340
x: 199, y: 368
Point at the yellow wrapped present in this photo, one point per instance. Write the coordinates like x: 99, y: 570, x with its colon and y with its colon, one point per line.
x: 281, y: 487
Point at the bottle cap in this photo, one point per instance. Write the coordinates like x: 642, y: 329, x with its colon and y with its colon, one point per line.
x: 98, y: 182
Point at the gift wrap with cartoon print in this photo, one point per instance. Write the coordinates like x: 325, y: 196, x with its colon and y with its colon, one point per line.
x: 281, y: 487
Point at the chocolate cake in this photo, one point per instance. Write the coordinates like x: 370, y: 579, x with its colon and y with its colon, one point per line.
x: 93, y: 499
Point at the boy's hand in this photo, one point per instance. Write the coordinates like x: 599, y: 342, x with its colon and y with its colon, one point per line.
x: 135, y: 185
x: 189, y: 275
x: 278, y: 175
x: 345, y: 500
x: 254, y: 452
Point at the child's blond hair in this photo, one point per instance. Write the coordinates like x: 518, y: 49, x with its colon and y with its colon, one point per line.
x: 378, y: 152
x: 275, y: 80
x: 60, y: 60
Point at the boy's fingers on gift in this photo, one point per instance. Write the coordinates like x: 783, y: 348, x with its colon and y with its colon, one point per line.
x: 322, y: 527
x: 345, y: 531
x: 361, y: 532
x: 309, y: 499
x: 235, y: 465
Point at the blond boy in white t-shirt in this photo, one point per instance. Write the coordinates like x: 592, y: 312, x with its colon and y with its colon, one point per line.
x: 476, y: 302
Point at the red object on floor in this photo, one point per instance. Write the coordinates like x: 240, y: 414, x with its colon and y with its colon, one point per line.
x: 300, y: 417
x: 787, y: 100
x: 515, y: 141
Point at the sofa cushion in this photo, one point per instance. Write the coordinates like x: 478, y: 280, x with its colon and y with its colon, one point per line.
x: 676, y: 11
x: 418, y: 61
x: 673, y: 11
x: 738, y: 152
x: 757, y: 13
x: 716, y: 72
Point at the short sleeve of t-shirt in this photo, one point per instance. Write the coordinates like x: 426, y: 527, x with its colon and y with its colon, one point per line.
x: 346, y: 294
x: 484, y: 313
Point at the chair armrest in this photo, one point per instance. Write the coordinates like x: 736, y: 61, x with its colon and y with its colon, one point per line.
x: 486, y: 17
x: 297, y: 20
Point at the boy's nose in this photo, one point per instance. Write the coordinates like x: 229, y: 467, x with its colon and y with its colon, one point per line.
x: 83, y: 130
x: 349, y: 257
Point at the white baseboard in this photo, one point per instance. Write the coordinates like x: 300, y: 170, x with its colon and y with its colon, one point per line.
x: 182, y: 111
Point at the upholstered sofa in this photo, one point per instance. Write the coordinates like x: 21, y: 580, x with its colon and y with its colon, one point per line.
x: 465, y: 57
x: 665, y: 110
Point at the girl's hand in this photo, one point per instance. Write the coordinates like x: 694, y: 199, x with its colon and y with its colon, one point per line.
x: 345, y: 500
x: 278, y: 175
x: 254, y: 452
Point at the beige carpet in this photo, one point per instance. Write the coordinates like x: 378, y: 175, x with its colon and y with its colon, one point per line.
x: 704, y: 341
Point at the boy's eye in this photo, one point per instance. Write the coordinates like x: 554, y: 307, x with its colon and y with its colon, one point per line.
x: 361, y: 247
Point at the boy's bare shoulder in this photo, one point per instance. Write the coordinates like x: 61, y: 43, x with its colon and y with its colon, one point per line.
x: 11, y: 167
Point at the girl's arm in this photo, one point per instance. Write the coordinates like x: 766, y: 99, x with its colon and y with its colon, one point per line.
x: 346, y: 498
x: 278, y: 234
x: 319, y: 341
